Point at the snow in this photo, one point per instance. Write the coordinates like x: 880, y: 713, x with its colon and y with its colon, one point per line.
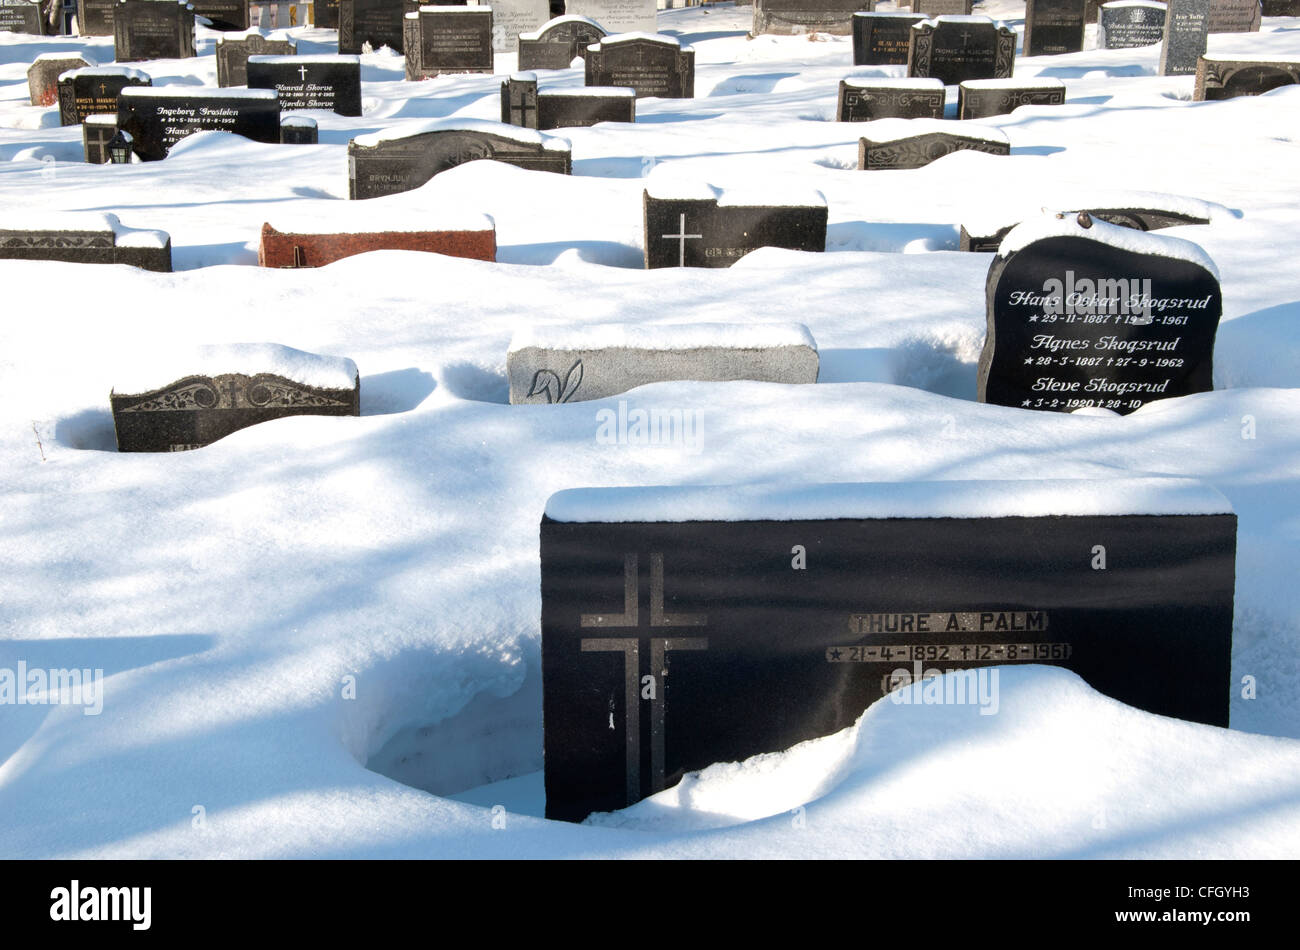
x: 228, y: 592
x: 638, y: 35
x: 859, y: 82
x: 975, y: 498
x: 894, y: 130
x: 1013, y: 83
x: 54, y: 57
x: 129, y: 72
x: 406, y: 212
x: 101, y: 118
x: 84, y: 221
x: 527, y: 136
x: 1223, y: 58
x: 153, y: 368
x: 182, y: 92
x: 300, y: 121
x: 671, y: 182
x: 329, y: 59
x: 279, y: 36
x: 676, y: 336
x: 1121, y: 4
x: 625, y: 92
x: 557, y: 21
x: 1008, y: 210
x: 1156, y: 243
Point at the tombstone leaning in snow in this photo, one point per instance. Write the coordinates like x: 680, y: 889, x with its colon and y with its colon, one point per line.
x: 1084, y: 314
x: 193, y: 399
x: 693, y: 625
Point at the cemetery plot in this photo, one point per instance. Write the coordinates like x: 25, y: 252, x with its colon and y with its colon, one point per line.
x: 373, y: 23
x: 1084, y: 314
x: 84, y: 238
x: 713, y: 624
x: 558, y: 43
x: 310, y: 82
x: 233, y: 51
x: 448, y: 39
x: 563, y: 107
x: 157, y: 119
x: 881, y: 39
x: 956, y: 48
x: 652, y: 65
x: 795, y: 17
x: 217, y: 390
x: 152, y: 29
x: 1053, y: 27
x: 1126, y: 24
x: 93, y: 90
x: 1224, y: 77
x: 553, y: 365
x: 912, y: 143
x: 981, y: 98
x: 861, y: 100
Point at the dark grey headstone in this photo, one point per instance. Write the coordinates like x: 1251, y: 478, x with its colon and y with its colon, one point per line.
x: 380, y: 166
x: 374, y: 22
x: 881, y: 39
x: 558, y: 43
x: 954, y: 49
x: 96, y: 132
x: 232, y: 56
x: 224, y: 14
x: 444, y: 40
x: 981, y: 98
x: 878, y: 151
x: 1187, y: 24
x: 94, y: 90
x: 152, y: 29
x: 653, y: 66
x: 157, y: 119
x: 310, y: 82
x: 1234, y: 16
x: 1076, y: 319
x: 1053, y: 27
x: 700, y: 232
x: 95, y: 17
x: 325, y: 14
x: 1221, y: 77
x: 861, y: 100
x: 989, y: 238
x: 91, y: 239
x: 299, y: 130
x: 1280, y: 7
x: 795, y: 17
x: 934, y: 8
x: 21, y: 16
x: 523, y: 105
x: 670, y: 643
x: 43, y: 76
x: 1130, y: 24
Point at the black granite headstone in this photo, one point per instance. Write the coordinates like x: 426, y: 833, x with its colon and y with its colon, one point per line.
x: 310, y: 82
x: 159, y: 118
x: 1078, y: 320
x: 1130, y: 23
x: 325, y: 14
x: 152, y: 29
x: 955, y: 49
x: 981, y: 98
x: 881, y: 39
x: 224, y: 14
x: 96, y: 132
x: 299, y: 130
x: 671, y: 643
x: 1222, y: 77
x: 380, y: 166
x: 862, y: 100
x: 95, y: 17
x: 523, y: 105
x: 652, y: 65
x: 558, y: 43
x: 232, y: 56
x: 93, y: 90
x: 701, y: 232
x: 878, y: 152
x: 988, y: 238
x: 21, y: 16
x: 374, y: 22
x: 1280, y: 7
x: 1053, y: 26
x: 89, y: 239
x: 796, y: 17
x: 448, y: 40
x: 1187, y: 25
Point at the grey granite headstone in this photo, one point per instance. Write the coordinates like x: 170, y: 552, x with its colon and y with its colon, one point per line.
x: 988, y: 236
x: 389, y: 163
x: 1226, y: 77
x: 699, y: 231
x: 881, y: 39
x: 95, y: 17
x: 86, y: 238
x: 1187, y: 24
x: 795, y: 17
x: 934, y: 8
x: 152, y: 29
x: 861, y: 100
x: 956, y: 48
x: 96, y: 132
x: 330, y: 82
x: 913, y: 143
x: 522, y: 104
x: 21, y: 16
x: 159, y: 118
x: 93, y: 90
x: 43, y: 76
x: 616, y: 16
x: 558, y: 43
x: 981, y: 98
x: 448, y: 39
x: 1128, y: 24
x: 561, y: 365
x: 1234, y: 16
x: 1053, y: 27
x: 233, y: 53
x: 652, y: 65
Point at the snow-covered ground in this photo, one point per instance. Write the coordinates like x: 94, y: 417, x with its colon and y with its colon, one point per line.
x: 278, y: 611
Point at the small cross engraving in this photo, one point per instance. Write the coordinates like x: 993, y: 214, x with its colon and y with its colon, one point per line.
x: 302, y: 71
x: 681, y: 238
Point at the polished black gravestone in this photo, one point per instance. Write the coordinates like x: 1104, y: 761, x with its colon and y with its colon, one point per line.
x: 558, y: 43
x: 232, y: 55
x: 95, y: 17
x: 195, y: 411
x: 21, y: 16
x: 671, y: 641
x: 93, y: 90
x: 298, y: 130
x: 986, y: 238
x: 1129, y: 24
x: 523, y: 105
x: 310, y: 82
x: 152, y: 29
x: 87, y: 239
x: 954, y: 49
x: 1187, y: 25
x: 912, y: 143
x: 796, y: 17
x: 652, y: 65
x: 386, y: 164
x: 1224, y: 77
x: 702, y: 232
x: 981, y: 98
x: 325, y: 14
x: 881, y: 39
x: 1077, y: 319
x: 861, y: 100
x: 1053, y: 26
x: 448, y: 40
x: 224, y: 14
x: 97, y: 132
x: 159, y: 118
x: 372, y: 22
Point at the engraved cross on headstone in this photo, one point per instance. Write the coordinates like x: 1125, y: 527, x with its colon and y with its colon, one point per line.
x: 681, y: 238
x: 302, y: 71
x: 965, y: 38
x: 630, y: 647
x: 520, y: 105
